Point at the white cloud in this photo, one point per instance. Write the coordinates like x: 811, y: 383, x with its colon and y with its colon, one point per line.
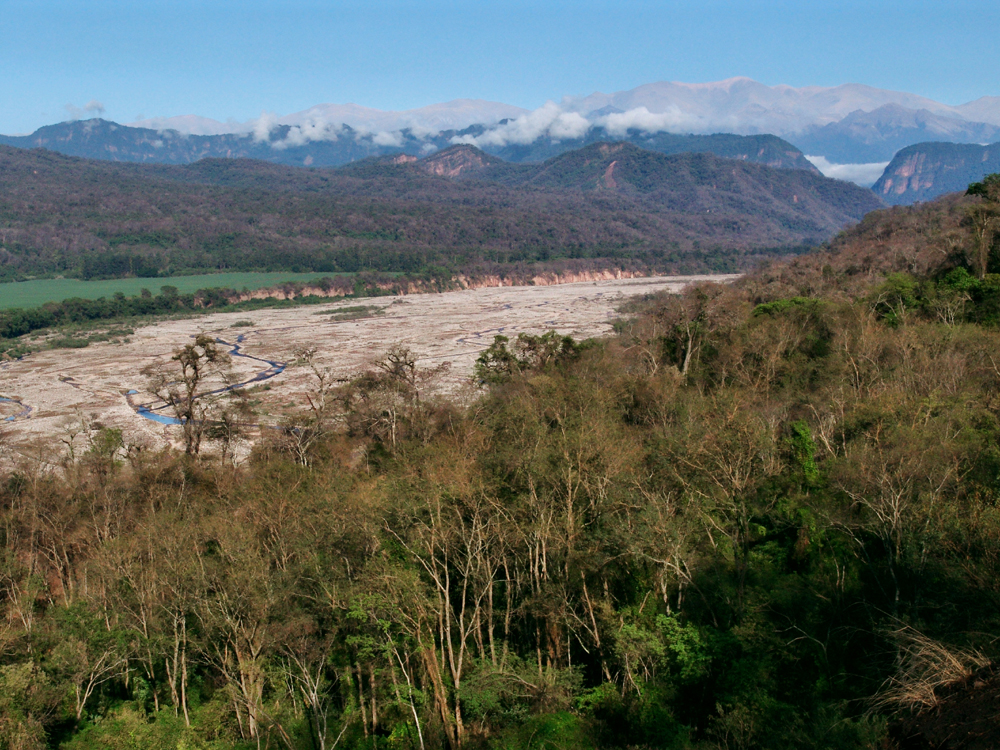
x: 93, y: 108
x: 319, y: 129
x: 388, y: 138
x: 864, y: 175
x: 419, y: 131
x: 307, y: 132
x: 551, y: 120
x: 569, y: 125
x: 263, y: 126
x: 674, y: 120
x: 548, y: 119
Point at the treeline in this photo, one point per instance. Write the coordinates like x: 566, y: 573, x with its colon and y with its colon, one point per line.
x: 757, y: 517
x: 16, y: 322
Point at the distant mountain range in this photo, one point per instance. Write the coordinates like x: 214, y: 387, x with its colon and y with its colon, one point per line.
x: 459, y: 206
x: 845, y: 124
x: 919, y: 172
x: 453, y: 115
x: 101, y: 139
x: 748, y: 106
x: 850, y: 132
x: 876, y: 136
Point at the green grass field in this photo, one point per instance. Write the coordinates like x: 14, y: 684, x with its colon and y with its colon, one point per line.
x: 35, y: 293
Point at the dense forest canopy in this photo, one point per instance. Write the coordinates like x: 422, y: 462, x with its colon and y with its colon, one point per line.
x: 762, y: 515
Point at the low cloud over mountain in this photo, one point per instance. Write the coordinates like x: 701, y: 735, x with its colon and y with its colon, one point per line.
x: 324, y: 122
x: 851, y: 131
x: 93, y: 108
x: 852, y: 127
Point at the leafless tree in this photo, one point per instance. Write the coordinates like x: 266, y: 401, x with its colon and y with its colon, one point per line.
x: 183, y: 390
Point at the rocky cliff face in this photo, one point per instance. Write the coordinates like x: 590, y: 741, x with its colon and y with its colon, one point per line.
x: 927, y: 170
x: 340, y: 287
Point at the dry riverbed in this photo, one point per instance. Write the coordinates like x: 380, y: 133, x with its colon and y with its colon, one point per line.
x: 47, y: 394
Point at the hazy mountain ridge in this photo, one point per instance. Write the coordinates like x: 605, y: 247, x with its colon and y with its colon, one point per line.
x: 454, y: 115
x: 847, y: 124
x: 877, y: 135
x: 776, y: 109
x: 101, y: 139
x: 109, y: 141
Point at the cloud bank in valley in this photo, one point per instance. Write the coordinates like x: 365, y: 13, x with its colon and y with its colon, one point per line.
x: 864, y: 175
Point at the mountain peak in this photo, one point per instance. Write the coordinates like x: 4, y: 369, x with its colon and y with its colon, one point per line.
x: 457, y: 160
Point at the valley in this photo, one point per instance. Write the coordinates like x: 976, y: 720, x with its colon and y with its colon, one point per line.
x: 49, y: 392
x: 441, y: 215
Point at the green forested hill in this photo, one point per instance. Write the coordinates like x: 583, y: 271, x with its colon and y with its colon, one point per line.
x: 690, y: 182
x: 61, y: 215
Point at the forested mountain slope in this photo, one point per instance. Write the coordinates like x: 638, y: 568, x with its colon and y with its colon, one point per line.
x: 924, y: 240
x: 769, y: 150
x: 89, y: 218
x: 689, y: 182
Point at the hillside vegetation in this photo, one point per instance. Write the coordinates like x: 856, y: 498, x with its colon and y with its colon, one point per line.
x: 60, y: 215
x: 762, y: 515
x: 690, y: 183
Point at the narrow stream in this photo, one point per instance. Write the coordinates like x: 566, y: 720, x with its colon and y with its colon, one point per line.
x: 23, y: 414
x: 147, y: 411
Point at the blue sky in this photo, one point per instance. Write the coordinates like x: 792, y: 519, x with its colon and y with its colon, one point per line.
x: 234, y: 59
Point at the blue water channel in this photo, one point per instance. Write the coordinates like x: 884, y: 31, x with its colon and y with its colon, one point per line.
x: 273, y: 369
x: 25, y: 409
